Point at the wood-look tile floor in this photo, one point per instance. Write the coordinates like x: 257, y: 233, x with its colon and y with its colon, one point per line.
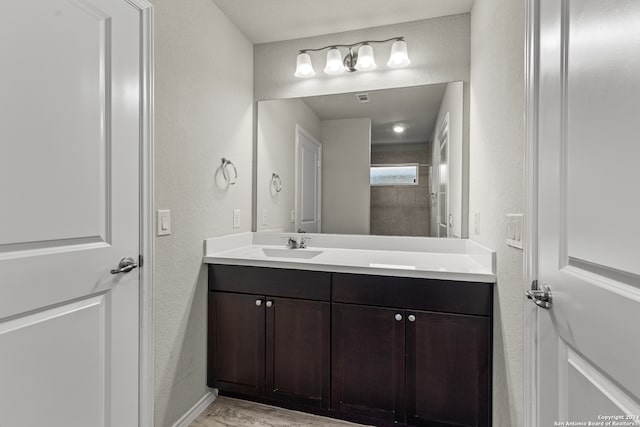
x: 227, y: 412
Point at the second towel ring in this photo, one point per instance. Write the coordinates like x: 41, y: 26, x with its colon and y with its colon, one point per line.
x: 276, y: 182
x: 225, y: 174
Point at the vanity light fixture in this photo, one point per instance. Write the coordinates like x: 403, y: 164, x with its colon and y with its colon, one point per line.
x: 334, y: 62
x: 304, y: 68
x: 399, y: 57
x: 360, y: 60
x: 366, y: 61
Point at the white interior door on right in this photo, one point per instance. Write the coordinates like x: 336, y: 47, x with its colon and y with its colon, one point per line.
x: 588, y: 340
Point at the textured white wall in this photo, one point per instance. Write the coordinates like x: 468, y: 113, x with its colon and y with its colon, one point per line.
x: 276, y: 136
x: 346, y: 159
x: 453, y: 103
x: 203, y: 105
x: 497, y: 182
x: 438, y: 48
x: 204, y: 112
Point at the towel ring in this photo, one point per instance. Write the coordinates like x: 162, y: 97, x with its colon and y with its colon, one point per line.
x: 276, y: 182
x: 225, y: 163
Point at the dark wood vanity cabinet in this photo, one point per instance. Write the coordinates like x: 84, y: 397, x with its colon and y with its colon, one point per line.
x: 447, y: 369
x: 368, y: 361
x: 297, y: 351
x: 381, y: 350
x: 265, y: 344
x: 236, y: 343
x: 409, y: 366
x: 414, y: 351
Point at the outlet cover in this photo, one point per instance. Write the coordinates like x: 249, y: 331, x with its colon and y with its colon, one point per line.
x: 265, y: 216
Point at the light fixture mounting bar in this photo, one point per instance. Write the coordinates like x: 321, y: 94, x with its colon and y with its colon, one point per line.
x: 350, y: 46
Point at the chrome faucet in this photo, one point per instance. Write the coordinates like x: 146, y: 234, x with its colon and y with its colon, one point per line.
x: 297, y: 242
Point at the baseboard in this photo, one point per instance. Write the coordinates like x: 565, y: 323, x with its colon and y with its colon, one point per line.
x: 196, y: 409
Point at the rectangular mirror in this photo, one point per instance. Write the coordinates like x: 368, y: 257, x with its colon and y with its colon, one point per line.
x: 383, y: 162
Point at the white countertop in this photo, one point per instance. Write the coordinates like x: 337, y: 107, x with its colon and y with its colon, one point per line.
x: 425, y: 257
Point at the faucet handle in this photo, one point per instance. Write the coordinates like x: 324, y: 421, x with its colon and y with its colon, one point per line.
x: 303, y: 241
x: 293, y: 243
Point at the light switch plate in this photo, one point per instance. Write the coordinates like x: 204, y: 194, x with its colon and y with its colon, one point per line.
x: 514, y: 230
x: 293, y: 216
x: 163, y: 222
x: 236, y: 218
x: 265, y: 216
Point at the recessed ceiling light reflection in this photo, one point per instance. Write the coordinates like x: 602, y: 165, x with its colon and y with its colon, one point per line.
x: 398, y: 128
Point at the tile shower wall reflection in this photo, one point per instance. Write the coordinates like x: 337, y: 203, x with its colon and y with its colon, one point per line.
x: 402, y: 210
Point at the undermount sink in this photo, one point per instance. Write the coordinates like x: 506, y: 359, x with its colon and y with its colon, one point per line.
x: 290, y: 253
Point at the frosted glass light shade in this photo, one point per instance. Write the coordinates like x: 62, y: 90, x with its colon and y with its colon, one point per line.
x: 304, y: 68
x: 399, y: 57
x: 365, y: 60
x: 334, y: 62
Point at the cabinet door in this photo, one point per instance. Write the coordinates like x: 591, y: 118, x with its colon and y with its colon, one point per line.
x: 368, y: 362
x: 298, y: 351
x: 236, y: 343
x: 447, y: 369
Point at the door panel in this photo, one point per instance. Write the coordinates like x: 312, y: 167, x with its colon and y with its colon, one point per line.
x: 593, y: 394
x: 309, y: 182
x: 443, y: 184
x: 236, y: 345
x: 308, y: 169
x: 368, y: 346
x: 602, y: 132
x: 298, y: 351
x: 448, y: 369
x: 69, y: 179
x: 588, y: 226
x: 71, y: 40
x: 60, y: 345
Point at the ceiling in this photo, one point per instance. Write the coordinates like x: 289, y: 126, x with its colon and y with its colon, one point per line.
x: 416, y: 107
x: 264, y: 21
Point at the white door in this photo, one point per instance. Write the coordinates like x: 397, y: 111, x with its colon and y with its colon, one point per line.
x: 442, y: 182
x: 308, y: 182
x: 434, y: 196
x: 588, y: 343
x: 69, y: 211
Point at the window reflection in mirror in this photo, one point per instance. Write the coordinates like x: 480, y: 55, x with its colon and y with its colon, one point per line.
x: 404, y: 174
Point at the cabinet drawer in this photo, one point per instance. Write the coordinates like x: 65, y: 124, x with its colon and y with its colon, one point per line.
x: 411, y: 293
x: 277, y: 282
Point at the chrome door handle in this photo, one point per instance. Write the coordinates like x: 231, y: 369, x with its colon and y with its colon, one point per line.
x: 542, y: 297
x: 125, y: 265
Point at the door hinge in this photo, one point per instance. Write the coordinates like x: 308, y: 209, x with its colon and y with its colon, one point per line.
x: 140, y: 261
